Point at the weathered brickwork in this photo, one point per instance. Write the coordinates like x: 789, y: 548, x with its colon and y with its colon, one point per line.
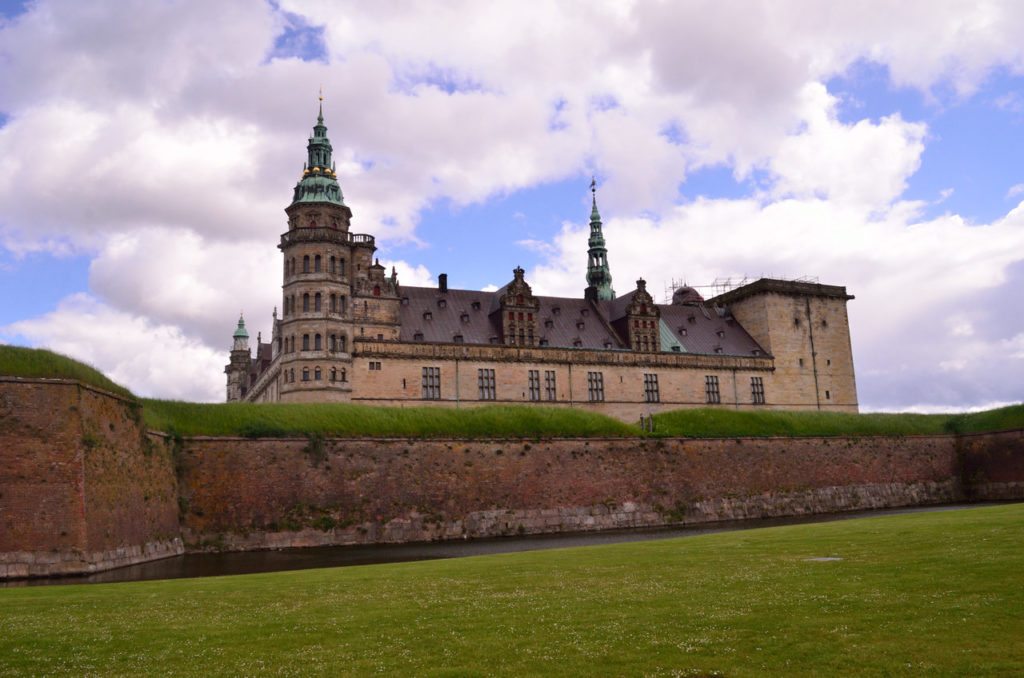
x: 81, y: 488
x: 273, y: 493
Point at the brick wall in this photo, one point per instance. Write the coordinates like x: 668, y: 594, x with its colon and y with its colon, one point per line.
x: 81, y: 486
x: 273, y: 493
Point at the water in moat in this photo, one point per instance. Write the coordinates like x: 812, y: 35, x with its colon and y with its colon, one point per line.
x: 247, y: 562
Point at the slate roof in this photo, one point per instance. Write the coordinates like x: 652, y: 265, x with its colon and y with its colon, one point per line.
x: 564, y: 322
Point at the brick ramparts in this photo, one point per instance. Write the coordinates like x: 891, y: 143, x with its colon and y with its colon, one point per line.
x: 82, y: 488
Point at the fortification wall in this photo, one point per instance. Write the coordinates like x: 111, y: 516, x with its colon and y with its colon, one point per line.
x: 248, y: 494
x: 82, y: 488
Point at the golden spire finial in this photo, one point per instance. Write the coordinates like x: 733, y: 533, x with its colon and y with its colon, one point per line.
x: 321, y: 92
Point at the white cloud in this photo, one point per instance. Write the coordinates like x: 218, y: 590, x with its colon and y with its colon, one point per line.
x: 161, y: 138
x: 150, y: 359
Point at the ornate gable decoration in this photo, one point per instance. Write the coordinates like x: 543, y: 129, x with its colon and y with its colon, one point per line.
x: 519, y: 312
x: 642, y: 317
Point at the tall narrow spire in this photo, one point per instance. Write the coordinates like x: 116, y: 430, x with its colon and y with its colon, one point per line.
x: 599, y: 275
x: 319, y: 183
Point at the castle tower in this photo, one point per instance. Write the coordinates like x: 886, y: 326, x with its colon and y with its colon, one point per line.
x: 599, y: 275
x: 240, y: 362
x: 329, y: 280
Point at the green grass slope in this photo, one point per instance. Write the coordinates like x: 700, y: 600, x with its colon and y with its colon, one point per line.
x: 17, y: 361
x: 342, y: 419
x: 928, y: 593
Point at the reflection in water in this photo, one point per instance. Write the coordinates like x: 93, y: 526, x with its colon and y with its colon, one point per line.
x: 247, y: 562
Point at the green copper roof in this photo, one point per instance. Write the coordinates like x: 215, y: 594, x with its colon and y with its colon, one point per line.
x: 668, y: 340
x: 599, y: 274
x: 240, y: 331
x: 319, y: 183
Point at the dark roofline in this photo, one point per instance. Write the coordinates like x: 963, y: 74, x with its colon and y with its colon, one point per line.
x: 787, y: 287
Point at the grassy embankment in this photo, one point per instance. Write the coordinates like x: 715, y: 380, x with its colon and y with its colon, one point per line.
x: 338, y: 419
x: 928, y: 593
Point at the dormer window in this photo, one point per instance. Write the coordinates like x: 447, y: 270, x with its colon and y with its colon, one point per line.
x: 418, y: 336
x: 405, y: 301
x: 457, y: 339
x: 756, y: 351
x: 585, y: 312
x: 577, y: 343
x: 549, y: 323
x: 555, y: 310
x: 682, y: 331
x: 441, y: 303
x: 427, y: 315
x: 475, y: 305
x: 464, y: 317
x: 493, y: 340
x: 720, y: 333
x: 718, y: 349
x: 692, y: 318
x: 579, y: 325
x: 607, y: 344
x: 543, y: 342
x: 677, y: 349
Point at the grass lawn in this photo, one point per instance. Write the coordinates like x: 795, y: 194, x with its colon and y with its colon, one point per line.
x: 938, y: 593
x: 17, y: 361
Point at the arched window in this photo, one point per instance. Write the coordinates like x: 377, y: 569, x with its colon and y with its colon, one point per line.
x: 305, y: 264
x: 305, y: 374
x: 292, y: 264
x: 334, y: 374
x: 317, y: 343
x: 334, y: 344
x: 376, y: 290
x: 305, y: 342
x: 316, y: 302
x: 519, y: 299
x: 316, y: 263
x: 316, y: 374
x: 342, y: 342
x: 341, y: 305
x: 293, y: 304
x: 331, y: 269
x: 305, y: 302
x: 343, y: 374
x: 341, y: 267
x: 334, y: 302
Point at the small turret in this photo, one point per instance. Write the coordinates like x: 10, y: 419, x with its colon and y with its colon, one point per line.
x: 240, y: 363
x: 241, y: 336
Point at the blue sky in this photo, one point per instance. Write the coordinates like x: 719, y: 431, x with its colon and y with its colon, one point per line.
x: 875, y: 149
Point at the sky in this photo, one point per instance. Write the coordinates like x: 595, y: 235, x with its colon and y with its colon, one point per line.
x: 148, y: 149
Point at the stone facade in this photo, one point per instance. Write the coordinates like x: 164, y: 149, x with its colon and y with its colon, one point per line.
x: 350, y: 332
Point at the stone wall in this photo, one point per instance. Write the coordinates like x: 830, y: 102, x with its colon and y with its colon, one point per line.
x: 247, y: 494
x: 82, y: 488
x: 992, y: 465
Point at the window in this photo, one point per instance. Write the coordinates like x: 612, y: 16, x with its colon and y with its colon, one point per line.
x: 305, y: 342
x: 375, y: 365
x: 316, y: 263
x: 651, y: 394
x: 475, y: 305
x: 291, y: 266
x: 342, y: 341
x: 595, y: 386
x: 305, y: 374
x: 417, y: 336
x: 317, y: 343
x: 533, y: 378
x: 305, y: 302
x: 549, y: 385
x: 711, y: 389
x: 305, y: 264
x: 485, y: 383
x: 341, y: 305
x: 341, y: 267
x: 828, y: 395
x: 376, y: 290
x: 331, y: 267
x: 292, y: 375
x: 458, y: 339
x: 317, y: 302
x: 801, y: 362
x: 431, y: 383
x: 334, y: 303
x: 828, y: 363
x: 316, y: 374
x: 757, y: 390
x: 334, y: 374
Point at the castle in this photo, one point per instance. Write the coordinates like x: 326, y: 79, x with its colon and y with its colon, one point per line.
x: 350, y: 332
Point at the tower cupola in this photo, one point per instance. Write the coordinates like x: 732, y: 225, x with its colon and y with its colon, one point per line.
x: 319, y: 182
x: 241, y: 337
x: 599, y: 275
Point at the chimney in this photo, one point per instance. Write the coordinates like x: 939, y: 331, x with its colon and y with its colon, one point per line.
x: 442, y: 282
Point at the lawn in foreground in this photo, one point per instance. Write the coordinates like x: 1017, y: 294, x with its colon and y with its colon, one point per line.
x: 938, y: 592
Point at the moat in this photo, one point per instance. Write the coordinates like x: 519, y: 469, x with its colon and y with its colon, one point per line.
x: 250, y: 562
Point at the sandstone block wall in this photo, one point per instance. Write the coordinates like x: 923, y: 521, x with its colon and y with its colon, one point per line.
x: 81, y: 486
